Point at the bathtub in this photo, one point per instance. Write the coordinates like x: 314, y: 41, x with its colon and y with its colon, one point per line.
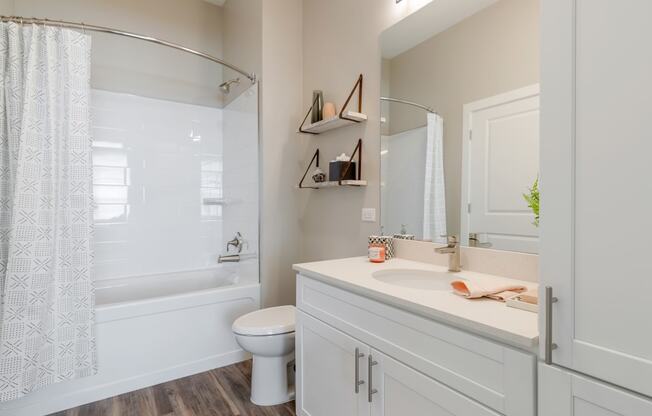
x: 153, y: 329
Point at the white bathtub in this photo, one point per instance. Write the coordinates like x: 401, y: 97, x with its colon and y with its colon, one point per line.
x: 153, y: 329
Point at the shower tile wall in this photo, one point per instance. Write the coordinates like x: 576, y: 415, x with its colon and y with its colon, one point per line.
x: 154, y: 163
x: 241, y: 176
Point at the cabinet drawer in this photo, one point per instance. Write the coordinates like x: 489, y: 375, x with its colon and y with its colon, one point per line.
x: 497, y: 376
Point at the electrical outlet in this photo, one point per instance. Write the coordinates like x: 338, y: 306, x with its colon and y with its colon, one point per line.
x: 369, y: 214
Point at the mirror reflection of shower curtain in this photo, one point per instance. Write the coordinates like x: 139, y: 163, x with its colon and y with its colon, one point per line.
x: 434, y: 199
x: 46, y: 217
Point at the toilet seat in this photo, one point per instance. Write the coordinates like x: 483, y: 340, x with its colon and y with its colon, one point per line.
x: 265, y: 322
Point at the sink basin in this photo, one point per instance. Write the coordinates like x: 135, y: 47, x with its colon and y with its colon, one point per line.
x: 416, y: 279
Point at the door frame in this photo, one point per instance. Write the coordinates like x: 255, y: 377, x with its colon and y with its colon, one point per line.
x: 467, y: 122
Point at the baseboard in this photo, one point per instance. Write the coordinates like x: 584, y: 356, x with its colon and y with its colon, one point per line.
x: 53, y: 404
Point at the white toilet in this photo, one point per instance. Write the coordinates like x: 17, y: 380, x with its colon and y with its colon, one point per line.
x: 268, y: 334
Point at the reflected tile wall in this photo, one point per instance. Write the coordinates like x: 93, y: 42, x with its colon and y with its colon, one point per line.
x: 154, y: 162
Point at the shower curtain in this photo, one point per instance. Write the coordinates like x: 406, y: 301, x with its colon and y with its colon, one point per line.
x: 46, y: 217
x: 434, y: 200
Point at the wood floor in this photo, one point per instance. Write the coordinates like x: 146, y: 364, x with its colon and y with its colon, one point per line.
x: 221, y: 392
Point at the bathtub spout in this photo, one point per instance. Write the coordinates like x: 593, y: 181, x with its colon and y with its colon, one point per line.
x: 229, y: 258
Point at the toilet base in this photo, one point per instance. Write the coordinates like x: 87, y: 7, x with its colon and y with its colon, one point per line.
x: 270, y: 384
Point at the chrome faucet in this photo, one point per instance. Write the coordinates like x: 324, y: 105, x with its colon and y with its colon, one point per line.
x: 229, y: 258
x: 453, y: 250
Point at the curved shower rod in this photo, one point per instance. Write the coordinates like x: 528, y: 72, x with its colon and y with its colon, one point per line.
x: 94, y: 28
x: 412, y: 103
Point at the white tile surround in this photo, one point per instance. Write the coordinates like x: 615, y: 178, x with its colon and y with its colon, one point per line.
x: 240, y: 149
x: 154, y: 163
x: 521, y: 266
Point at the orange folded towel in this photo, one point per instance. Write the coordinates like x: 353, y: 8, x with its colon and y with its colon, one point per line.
x: 497, y: 291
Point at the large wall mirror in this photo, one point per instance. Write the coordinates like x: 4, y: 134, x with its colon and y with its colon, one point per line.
x: 460, y: 124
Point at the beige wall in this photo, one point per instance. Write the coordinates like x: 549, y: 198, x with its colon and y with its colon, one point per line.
x: 340, y: 42
x: 243, y: 41
x: 128, y: 65
x: 6, y: 7
x: 281, y: 108
x: 494, y: 51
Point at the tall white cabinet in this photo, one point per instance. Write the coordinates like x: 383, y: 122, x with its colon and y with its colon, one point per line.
x: 596, y: 153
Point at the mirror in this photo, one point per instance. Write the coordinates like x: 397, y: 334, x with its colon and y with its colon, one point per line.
x: 460, y: 124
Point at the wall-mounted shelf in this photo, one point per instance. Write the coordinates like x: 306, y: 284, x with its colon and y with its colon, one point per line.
x: 352, y: 117
x: 343, y: 119
x: 341, y: 182
x: 332, y: 184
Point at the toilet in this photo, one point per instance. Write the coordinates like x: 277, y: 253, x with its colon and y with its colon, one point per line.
x: 268, y: 334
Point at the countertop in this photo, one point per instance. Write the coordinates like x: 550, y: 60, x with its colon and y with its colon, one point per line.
x: 486, y: 317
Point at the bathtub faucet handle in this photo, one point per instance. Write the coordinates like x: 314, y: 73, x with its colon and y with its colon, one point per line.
x: 237, y: 243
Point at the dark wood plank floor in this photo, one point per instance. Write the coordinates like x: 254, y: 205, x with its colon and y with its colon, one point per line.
x: 221, y: 392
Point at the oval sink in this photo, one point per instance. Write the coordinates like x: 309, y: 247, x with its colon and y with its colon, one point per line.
x: 416, y: 279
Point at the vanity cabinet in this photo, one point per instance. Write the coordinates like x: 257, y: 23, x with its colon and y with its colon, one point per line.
x: 330, y: 364
x: 401, y: 390
x: 418, y: 366
x: 327, y: 377
x: 596, y: 100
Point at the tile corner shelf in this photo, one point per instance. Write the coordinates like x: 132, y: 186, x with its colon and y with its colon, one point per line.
x: 219, y: 201
x: 348, y: 118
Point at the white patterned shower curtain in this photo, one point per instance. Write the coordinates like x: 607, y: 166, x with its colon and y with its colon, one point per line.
x: 434, y: 199
x: 46, y: 218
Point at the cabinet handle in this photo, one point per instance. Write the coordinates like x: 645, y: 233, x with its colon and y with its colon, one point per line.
x: 549, y: 344
x: 370, y: 389
x: 358, y: 382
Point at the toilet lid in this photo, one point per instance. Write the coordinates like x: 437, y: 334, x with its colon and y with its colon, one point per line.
x: 269, y: 321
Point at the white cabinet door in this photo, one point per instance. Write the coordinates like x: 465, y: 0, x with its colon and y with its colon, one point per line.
x: 398, y: 390
x: 562, y: 393
x: 596, y: 193
x: 501, y: 163
x: 326, y: 370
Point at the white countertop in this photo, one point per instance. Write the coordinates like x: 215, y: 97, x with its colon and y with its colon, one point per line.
x: 485, y: 317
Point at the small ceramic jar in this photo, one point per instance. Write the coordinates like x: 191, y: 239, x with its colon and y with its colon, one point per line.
x: 329, y: 111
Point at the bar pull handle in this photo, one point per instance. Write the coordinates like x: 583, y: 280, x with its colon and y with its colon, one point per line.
x: 358, y: 382
x: 370, y: 388
x: 550, y: 346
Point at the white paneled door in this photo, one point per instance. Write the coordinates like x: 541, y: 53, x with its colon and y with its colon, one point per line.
x: 596, y: 191
x: 328, y: 369
x: 563, y: 393
x: 501, y: 159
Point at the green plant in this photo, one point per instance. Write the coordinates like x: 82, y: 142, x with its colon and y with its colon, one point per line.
x: 532, y: 200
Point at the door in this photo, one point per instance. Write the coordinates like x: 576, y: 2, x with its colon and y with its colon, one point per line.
x: 398, y: 390
x: 326, y: 370
x: 562, y: 393
x: 501, y: 164
x: 595, y: 187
